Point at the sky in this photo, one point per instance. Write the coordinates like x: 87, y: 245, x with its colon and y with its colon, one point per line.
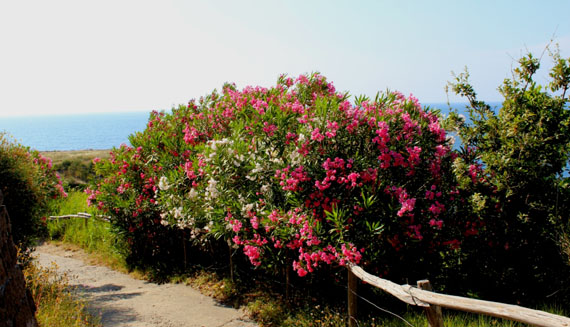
x: 61, y: 57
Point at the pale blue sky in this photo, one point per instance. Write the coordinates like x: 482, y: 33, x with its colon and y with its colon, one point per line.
x: 64, y: 56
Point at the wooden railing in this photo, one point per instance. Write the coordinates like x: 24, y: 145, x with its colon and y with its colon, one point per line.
x: 433, y: 302
x: 83, y: 215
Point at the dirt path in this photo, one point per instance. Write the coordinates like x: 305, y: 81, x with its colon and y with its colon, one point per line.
x: 121, y: 300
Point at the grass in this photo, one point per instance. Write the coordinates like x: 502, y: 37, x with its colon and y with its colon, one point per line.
x: 57, y: 306
x: 84, y: 156
x: 92, y: 235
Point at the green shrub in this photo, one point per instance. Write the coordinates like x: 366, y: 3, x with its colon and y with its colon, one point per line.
x: 523, y: 195
x: 29, y: 184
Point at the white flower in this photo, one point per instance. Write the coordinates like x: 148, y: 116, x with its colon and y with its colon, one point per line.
x: 295, y: 157
x: 163, y: 183
x: 164, y: 222
x: 177, y: 212
x: 192, y: 194
x: 248, y: 207
x: 257, y: 168
x: 278, y: 161
x: 211, y: 190
x: 265, y: 188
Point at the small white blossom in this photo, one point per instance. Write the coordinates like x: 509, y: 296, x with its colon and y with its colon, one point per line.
x: 248, y: 207
x: 257, y: 168
x: 177, y: 212
x: 295, y: 157
x: 211, y: 190
x: 163, y: 183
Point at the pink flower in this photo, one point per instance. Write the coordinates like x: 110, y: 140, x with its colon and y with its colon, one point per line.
x: 191, y: 135
x: 436, y: 223
x: 316, y: 135
x: 436, y: 208
x: 332, y: 128
x: 407, y: 206
x: 254, y: 222
x: 302, y: 79
x: 269, y: 129
x: 297, y: 107
x: 252, y: 252
x: 414, y: 155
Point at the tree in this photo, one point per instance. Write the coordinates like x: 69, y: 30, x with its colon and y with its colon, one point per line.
x: 523, y: 149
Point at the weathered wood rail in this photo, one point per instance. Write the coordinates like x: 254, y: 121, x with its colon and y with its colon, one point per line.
x: 83, y: 215
x: 431, y: 300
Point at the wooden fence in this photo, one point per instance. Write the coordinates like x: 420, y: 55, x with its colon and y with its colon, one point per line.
x: 83, y: 215
x: 433, y: 302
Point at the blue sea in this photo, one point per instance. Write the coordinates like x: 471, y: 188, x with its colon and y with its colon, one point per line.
x: 96, y: 131
x: 74, y: 132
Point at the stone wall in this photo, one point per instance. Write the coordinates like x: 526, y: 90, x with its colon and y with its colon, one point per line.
x: 17, y: 307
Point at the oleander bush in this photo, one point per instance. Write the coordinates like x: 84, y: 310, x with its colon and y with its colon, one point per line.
x: 292, y: 176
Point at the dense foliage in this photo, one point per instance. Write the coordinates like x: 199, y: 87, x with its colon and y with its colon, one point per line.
x: 28, y: 183
x: 524, y: 149
x: 294, y: 175
x: 297, y: 176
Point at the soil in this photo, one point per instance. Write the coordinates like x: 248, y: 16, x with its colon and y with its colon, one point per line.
x: 121, y: 300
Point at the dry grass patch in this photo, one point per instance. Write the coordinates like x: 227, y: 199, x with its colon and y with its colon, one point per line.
x: 85, y: 156
x: 57, y: 304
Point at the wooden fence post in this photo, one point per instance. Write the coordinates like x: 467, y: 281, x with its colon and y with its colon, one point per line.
x: 433, y: 312
x: 352, y: 299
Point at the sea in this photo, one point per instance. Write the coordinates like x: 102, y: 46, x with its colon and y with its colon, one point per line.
x: 99, y: 131
x: 96, y: 131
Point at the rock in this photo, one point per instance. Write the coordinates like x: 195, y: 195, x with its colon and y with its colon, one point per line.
x: 17, y: 306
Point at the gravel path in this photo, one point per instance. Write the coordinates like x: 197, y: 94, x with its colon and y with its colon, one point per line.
x: 121, y: 300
